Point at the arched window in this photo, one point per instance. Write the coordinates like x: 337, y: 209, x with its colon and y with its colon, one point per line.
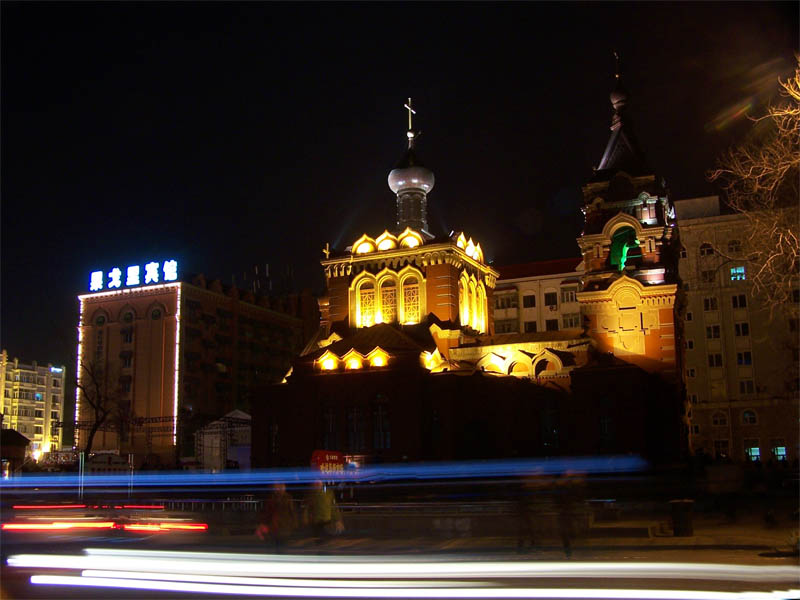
x: 381, y: 426
x: 366, y: 304
x: 411, y: 308
x: 719, y: 419
x: 734, y: 247
x: 481, y: 301
x: 462, y: 303
x: 541, y: 367
x: 471, y: 303
x: 706, y: 249
x: 749, y: 417
x: 388, y: 313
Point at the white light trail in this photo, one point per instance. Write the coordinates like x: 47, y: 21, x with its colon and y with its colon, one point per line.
x: 427, y: 592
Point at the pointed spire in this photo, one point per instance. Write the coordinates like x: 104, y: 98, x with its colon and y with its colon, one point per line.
x: 622, y: 151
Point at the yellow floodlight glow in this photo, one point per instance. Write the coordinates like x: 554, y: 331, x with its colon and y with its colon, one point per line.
x: 461, y: 242
x: 410, y: 238
x: 328, y: 361
x: 470, y: 249
x: 378, y: 357
x: 364, y: 248
x: 353, y: 364
x: 36, y: 455
x: 386, y: 241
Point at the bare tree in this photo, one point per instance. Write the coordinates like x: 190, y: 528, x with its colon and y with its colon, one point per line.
x: 760, y: 179
x: 108, y: 408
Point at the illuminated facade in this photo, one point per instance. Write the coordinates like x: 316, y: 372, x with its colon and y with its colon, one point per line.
x: 628, y: 247
x: 741, y: 359
x: 174, y: 356
x: 403, y: 276
x: 409, y: 362
x: 33, y: 403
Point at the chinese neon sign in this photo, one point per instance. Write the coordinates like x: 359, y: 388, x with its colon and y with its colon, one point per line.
x: 134, y: 276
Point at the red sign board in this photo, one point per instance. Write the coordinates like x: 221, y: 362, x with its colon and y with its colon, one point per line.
x: 328, y: 461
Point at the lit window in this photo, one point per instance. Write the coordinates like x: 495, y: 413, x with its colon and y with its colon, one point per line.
x: 742, y: 329
x: 778, y: 449
x: 710, y: 303
x: 411, y: 308
x: 746, y: 386
x: 749, y: 417
x: 366, y: 298
x: 388, y: 312
x: 738, y: 274
x: 719, y: 420
x: 706, y: 250
x: 751, y: 450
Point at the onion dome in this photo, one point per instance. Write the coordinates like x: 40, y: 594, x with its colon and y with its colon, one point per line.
x: 409, y: 173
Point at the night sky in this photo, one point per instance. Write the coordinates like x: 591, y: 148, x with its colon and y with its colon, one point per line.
x: 226, y: 135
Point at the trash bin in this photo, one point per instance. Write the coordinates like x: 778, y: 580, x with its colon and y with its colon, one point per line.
x: 682, y: 518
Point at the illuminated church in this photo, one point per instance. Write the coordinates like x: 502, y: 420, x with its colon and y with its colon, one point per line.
x: 407, y: 366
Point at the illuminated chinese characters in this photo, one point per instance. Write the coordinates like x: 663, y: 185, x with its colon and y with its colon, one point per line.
x: 153, y: 273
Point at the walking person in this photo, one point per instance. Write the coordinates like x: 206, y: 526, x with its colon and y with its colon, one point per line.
x: 277, y: 520
x: 322, y: 513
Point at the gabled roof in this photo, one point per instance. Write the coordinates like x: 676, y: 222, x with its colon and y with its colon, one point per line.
x: 539, y: 268
x: 366, y: 339
x: 12, y: 437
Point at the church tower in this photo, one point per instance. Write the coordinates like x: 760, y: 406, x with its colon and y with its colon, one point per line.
x: 408, y: 276
x: 627, y: 245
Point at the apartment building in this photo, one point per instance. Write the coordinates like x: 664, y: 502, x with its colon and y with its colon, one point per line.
x: 32, y: 402
x: 741, y: 359
x: 538, y: 296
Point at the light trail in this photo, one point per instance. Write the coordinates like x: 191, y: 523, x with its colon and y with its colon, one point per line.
x: 377, y: 567
x: 370, y: 473
x: 407, y: 592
